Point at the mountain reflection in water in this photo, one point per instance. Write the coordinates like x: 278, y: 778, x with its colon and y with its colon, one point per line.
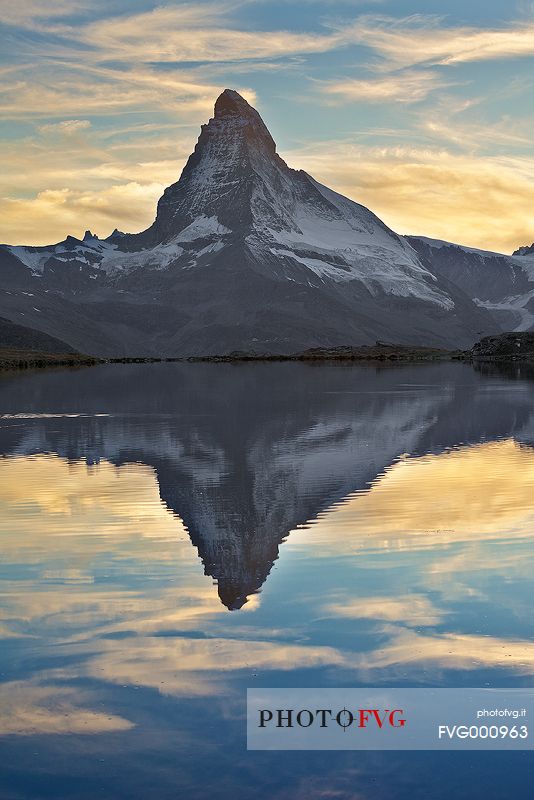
x: 243, y: 455
x: 373, y: 525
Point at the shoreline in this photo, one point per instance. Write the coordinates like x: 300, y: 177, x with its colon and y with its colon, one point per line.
x: 514, y: 348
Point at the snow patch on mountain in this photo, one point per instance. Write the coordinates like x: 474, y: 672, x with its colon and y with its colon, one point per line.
x: 516, y: 305
x: 107, y: 257
x: 202, y: 227
x: 339, y: 239
x: 90, y: 252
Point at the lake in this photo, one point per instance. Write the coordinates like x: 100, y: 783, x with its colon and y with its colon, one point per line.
x: 173, y: 534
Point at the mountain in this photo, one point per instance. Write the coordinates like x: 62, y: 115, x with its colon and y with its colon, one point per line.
x: 502, y: 285
x: 20, y: 337
x: 245, y: 253
x: 526, y: 250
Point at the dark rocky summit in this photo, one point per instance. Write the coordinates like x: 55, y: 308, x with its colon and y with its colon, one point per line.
x: 527, y: 250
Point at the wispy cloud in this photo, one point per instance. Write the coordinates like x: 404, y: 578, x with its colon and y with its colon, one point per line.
x: 79, y: 88
x: 29, y: 708
x: 422, y: 39
x: 462, y: 651
x: 411, y: 609
x: 403, y: 87
x: 478, y: 135
x: 114, y: 64
x: 33, y: 13
x: 191, y: 33
x: 67, y: 127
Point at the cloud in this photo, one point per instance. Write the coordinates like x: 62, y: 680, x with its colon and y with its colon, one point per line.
x: 442, y: 123
x: 191, y: 33
x: 86, y: 89
x: 182, y: 666
x: 27, y: 709
x: 177, y: 34
x: 461, y: 651
x: 97, y: 177
x: 87, y: 171
x: 54, y: 213
x: 31, y: 13
x: 410, y: 609
x: 67, y: 127
x: 424, y: 39
x: 404, y: 87
x: 200, y: 33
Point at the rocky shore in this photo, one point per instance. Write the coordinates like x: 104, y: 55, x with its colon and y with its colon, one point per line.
x: 516, y: 346
x: 380, y: 351
x: 505, y: 347
x: 14, y: 358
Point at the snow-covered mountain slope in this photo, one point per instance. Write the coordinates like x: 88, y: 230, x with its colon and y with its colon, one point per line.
x: 89, y: 251
x: 501, y: 284
x: 244, y: 253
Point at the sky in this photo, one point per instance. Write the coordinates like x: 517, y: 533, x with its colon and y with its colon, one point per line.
x: 422, y: 111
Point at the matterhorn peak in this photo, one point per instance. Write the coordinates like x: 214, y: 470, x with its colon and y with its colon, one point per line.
x: 234, y: 154
x: 230, y: 105
x: 232, y: 112
x: 231, y: 102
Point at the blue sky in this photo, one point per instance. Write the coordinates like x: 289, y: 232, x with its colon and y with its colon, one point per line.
x: 421, y: 111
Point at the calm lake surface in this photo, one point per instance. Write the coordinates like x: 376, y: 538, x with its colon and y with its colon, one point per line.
x: 173, y: 534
